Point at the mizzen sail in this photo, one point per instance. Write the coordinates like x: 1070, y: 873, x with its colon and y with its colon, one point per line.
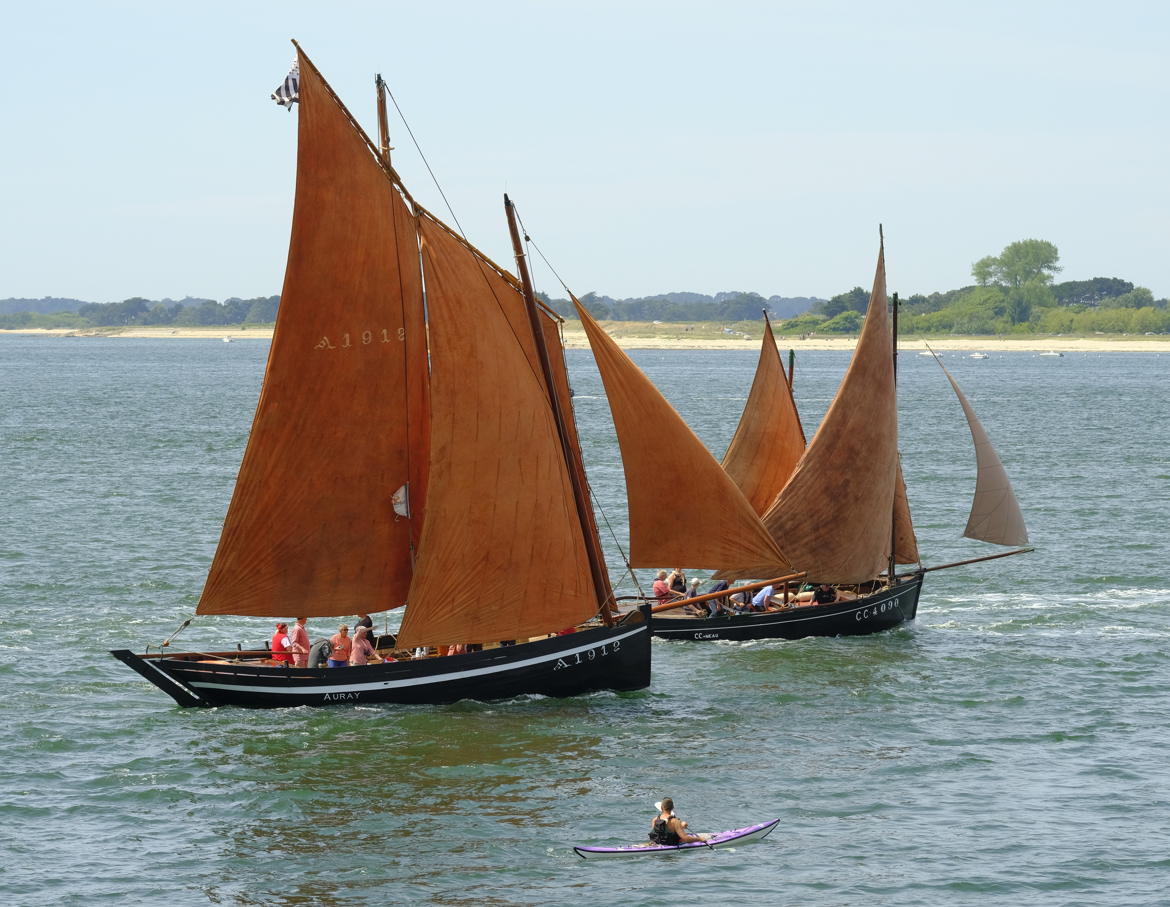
x: 995, y: 513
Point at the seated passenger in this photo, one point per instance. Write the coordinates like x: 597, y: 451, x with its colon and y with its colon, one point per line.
x: 824, y: 594
x: 662, y: 591
x: 717, y: 606
x: 699, y: 610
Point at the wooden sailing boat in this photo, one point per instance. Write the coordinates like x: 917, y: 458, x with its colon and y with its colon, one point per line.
x: 362, y: 487
x: 837, y: 509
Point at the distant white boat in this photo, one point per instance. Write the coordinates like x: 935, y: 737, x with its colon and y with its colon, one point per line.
x: 227, y: 339
x: 925, y: 353
x: 979, y: 356
x: 1052, y: 353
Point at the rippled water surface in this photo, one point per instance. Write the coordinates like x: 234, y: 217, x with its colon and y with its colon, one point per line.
x: 1008, y: 747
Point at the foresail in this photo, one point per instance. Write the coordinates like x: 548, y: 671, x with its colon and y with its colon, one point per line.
x: 502, y: 554
x: 769, y: 439
x: 311, y: 529
x: 834, y: 515
x: 995, y: 513
x: 684, y: 509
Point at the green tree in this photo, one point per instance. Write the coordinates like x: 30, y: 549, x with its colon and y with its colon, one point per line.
x: 848, y: 322
x: 1024, y: 261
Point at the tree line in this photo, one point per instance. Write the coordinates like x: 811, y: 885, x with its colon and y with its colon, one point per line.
x: 1014, y: 293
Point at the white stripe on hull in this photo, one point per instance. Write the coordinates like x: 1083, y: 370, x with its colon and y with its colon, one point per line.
x: 306, y: 689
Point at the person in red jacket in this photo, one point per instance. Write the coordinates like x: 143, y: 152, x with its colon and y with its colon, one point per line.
x: 281, y: 645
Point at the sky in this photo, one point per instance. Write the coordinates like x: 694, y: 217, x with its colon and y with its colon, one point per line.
x: 650, y: 147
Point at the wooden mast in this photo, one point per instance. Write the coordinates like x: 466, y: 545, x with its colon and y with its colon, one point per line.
x: 592, y: 543
x: 383, y: 122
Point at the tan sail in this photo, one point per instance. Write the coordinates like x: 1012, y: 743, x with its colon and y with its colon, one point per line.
x: 834, y: 515
x: 769, y: 439
x: 905, y: 541
x: 311, y: 528
x: 502, y: 552
x: 995, y: 513
x: 684, y: 509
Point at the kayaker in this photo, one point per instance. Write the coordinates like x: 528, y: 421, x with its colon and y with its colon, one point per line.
x: 668, y: 829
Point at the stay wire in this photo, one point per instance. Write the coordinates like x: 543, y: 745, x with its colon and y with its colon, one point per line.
x: 426, y: 163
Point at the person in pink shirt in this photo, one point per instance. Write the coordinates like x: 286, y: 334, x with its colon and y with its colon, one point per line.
x: 299, y: 639
x: 339, y: 648
x: 361, y: 649
x: 662, y: 590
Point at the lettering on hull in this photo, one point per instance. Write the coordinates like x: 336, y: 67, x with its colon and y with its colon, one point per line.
x: 578, y: 658
x: 876, y: 610
x: 341, y: 697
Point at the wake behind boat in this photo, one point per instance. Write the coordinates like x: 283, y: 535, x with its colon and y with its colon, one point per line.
x: 747, y: 835
x: 361, y: 488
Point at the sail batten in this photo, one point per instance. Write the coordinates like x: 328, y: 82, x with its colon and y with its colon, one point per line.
x: 684, y: 509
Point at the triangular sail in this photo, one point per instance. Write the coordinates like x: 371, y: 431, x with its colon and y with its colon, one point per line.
x: 769, y: 439
x: 834, y: 515
x: 905, y: 542
x: 684, y: 509
x: 995, y: 513
x: 311, y: 528
x: 502, y: 552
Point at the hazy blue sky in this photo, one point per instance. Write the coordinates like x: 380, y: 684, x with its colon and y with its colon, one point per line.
x: 649, y: 146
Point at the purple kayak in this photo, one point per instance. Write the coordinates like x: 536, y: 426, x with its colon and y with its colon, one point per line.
x: 723, y: 839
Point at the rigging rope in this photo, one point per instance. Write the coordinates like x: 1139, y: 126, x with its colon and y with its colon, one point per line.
x: 426, y: 163
x: 598, y: 506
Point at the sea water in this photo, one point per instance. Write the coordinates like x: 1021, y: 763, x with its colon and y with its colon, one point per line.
x: 1007, y: 747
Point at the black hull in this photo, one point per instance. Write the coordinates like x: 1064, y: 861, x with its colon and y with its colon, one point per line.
x: 871, y: 614
x: 607, y: 658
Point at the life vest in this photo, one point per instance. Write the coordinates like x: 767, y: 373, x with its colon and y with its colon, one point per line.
x: 663, y: 834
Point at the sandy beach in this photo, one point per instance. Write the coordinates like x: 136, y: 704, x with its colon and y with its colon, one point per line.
x: 635, y: 335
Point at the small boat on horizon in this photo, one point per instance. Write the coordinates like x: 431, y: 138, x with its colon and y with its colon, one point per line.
x: 1052, y: 353
x: 979, y: 356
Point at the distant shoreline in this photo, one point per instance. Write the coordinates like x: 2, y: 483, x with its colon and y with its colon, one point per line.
x: 640, y: 336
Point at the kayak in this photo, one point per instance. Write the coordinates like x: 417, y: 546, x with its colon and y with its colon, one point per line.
x: 723, y: 839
